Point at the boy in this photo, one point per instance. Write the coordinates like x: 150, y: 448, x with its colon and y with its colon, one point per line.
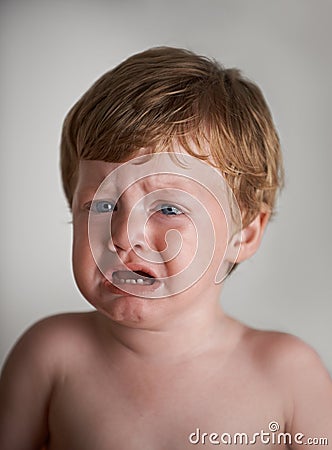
x: 145, y: 157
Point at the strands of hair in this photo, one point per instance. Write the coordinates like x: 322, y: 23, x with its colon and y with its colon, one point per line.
x: 164, y: 97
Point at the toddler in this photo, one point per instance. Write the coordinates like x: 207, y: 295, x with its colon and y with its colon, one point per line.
x: 171, y: 165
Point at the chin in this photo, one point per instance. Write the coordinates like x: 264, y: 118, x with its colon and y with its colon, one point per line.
x: 129, y: 310
x: 126, y: 309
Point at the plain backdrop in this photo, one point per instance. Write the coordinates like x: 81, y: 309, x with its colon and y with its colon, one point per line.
x: 51, y: 52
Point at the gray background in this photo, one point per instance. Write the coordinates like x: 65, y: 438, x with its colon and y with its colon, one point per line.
x: 51, y: 52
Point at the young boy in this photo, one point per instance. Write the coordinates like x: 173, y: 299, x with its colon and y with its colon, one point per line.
x: 171, y: 165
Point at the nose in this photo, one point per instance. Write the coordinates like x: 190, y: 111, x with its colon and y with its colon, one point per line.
x: 127, y: 230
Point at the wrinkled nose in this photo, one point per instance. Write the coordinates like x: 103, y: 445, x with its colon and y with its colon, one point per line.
x: 127, y: 230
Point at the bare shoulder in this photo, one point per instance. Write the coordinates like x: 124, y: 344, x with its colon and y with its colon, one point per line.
x: 295, y: 369
x: 49, y: 339
x: 34, y: 367
x: 62, y: 326
x: 282, y: 352
x: 297, y: 373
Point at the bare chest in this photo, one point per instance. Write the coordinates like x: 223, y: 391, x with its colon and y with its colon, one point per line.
x: 124, y: 409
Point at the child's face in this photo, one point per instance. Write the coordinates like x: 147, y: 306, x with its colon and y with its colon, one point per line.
x: 150, y: 235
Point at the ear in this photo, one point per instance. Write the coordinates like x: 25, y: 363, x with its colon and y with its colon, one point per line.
x: 251, y: 236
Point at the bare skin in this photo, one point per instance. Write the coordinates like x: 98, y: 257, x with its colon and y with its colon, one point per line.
x: 75, y: 382
x: 145, y: 374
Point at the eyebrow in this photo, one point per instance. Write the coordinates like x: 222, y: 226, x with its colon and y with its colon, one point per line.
x: 150, y: 183
x: 168, y: 180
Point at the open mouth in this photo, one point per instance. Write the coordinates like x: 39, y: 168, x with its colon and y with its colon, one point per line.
x: 137, y: 277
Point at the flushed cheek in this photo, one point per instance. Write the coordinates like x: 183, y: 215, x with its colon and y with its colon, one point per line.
x: 91, y: 283
x: 179, y: 264
x: 84, y: 266
x: 175, y: 239
x: 186, y: 251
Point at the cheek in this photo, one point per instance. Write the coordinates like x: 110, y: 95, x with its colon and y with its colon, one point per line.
x: 222, y: 233
x: 83, y: 261
x: 174, y: 240
x: 221, y: 263
x: 207, y: 244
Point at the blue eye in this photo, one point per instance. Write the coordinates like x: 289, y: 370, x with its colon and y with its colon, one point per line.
x: 102, y: 206
x: 170, y: 210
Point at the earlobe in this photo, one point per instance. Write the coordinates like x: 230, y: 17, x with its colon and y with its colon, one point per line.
x: 251, y: 236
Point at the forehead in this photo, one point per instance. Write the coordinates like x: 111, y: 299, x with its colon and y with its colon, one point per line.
x: 96, y: 172
x: 151, y: 171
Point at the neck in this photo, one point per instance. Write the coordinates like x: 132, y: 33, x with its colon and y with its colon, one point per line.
x: 176, y: 338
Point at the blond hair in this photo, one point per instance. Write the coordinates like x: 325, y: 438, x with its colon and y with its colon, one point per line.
x: 169, y: 95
